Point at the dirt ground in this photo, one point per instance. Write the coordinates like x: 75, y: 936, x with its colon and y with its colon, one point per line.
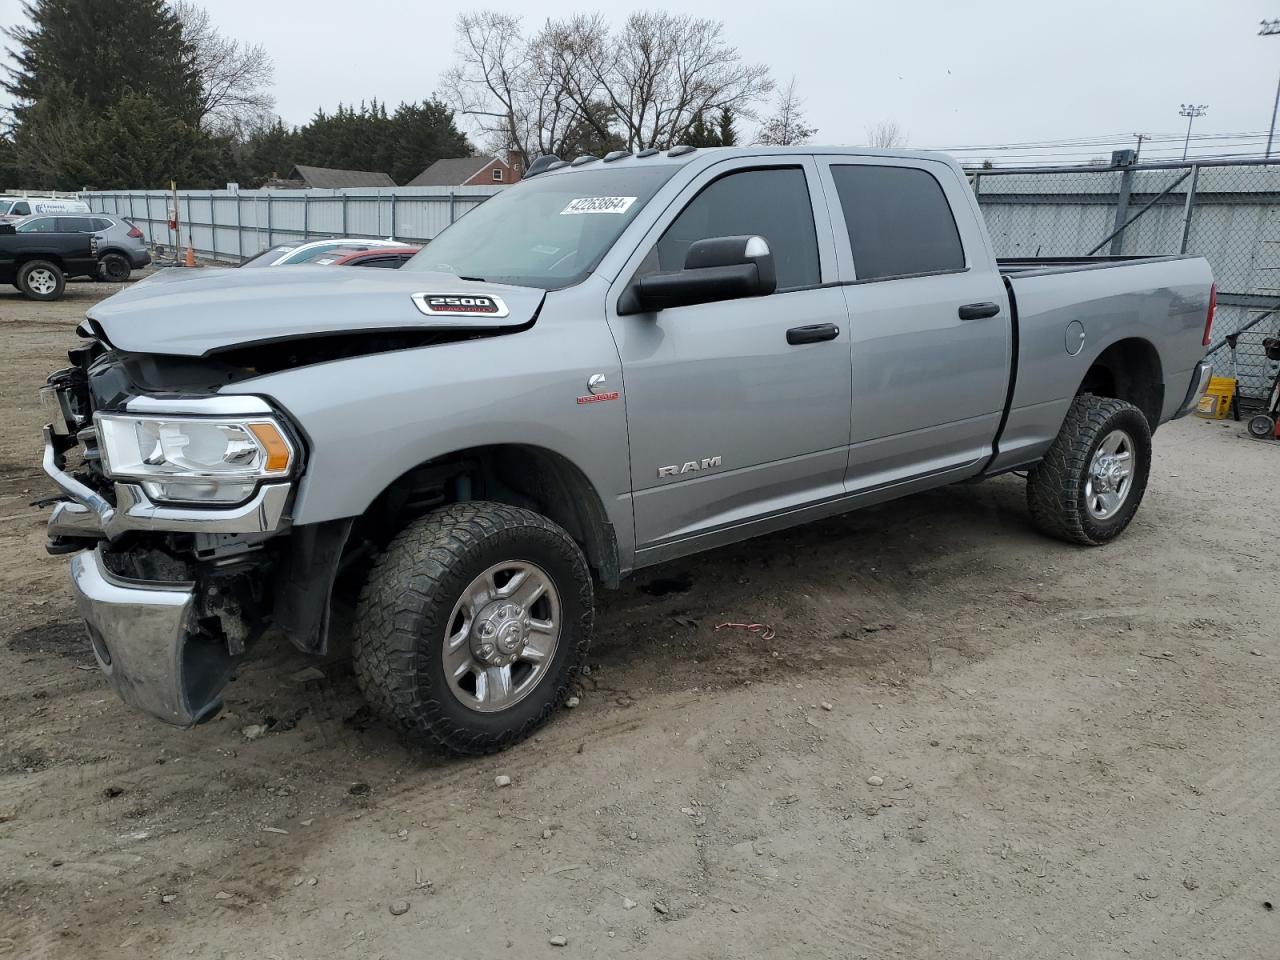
x: 1076, y: 748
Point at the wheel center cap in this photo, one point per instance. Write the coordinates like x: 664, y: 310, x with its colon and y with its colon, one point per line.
x: 500, y: 632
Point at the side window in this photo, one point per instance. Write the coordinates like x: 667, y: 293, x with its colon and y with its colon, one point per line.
x: 497, y: 174
x: 39, y: 225
x: 100, y: 224
x: 772, y: 203
x: 75, y: 224
x: 899, y: 221
x: 21, y: 209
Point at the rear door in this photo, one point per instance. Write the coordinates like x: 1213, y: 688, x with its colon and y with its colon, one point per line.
x: 929, y: 320
x: 728, y: 422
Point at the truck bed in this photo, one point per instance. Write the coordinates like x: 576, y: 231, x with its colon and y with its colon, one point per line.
x: 1067, y: 310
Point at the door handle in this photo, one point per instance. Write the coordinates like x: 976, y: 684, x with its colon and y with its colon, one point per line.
x: 979, y: 311
x: 814, y: 333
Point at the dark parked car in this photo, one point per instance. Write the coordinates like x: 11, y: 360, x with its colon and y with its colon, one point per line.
x: 38, y: 264
x: 122, y: 248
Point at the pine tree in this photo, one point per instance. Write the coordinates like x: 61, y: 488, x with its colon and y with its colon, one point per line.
x: 97, y: 56
x: 728, y: 132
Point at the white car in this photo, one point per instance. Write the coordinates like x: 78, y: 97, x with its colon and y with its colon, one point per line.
x: 286, y: 255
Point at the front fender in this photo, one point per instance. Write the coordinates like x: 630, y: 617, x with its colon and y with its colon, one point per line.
x: 368, y: 420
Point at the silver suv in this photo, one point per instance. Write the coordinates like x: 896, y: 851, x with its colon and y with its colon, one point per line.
x: 122, y: 248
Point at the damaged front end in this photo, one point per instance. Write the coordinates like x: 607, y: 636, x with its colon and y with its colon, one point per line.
x: 177, y: 540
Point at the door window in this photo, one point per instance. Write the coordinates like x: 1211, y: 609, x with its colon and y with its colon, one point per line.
x: 772, y: 203
x: 38, y: 225
x: 899, y: 221
x: 75, y: 224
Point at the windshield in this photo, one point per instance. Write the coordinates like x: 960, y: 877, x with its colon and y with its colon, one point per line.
x: 547, y: 232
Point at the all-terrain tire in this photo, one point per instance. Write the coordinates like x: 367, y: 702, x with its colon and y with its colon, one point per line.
x: 409, y: 598
x: 40, y: 280
x: 1056, y: 486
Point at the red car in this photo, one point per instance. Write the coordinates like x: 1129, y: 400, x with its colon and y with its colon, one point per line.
x: 390, y: 257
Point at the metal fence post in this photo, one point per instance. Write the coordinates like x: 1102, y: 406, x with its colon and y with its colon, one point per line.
x: 269, y: 241
x: 451, y: 206
x: 239, y: 229
x: 1189, y: 208
x: 1122, y: 208
x: 306, y: 215
x: 344, y: 214
x: 977, y: 183
x: 393, y: 216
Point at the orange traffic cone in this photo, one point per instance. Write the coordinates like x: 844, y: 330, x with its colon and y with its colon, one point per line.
x: 191, y: 257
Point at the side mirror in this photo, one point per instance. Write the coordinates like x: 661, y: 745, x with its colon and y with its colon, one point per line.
x: 718, y: 268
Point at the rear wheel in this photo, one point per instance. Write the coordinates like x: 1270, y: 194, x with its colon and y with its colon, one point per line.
x: 1090, y: 483
x: 40, y: 280
x: 472, y: 625
x: 115, y: 267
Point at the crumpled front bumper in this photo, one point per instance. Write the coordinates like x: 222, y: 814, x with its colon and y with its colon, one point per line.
x: 147, y: 641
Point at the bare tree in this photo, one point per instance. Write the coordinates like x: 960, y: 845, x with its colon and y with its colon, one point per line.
x: 663, y: 71
x: 787, y: 125
x: 234, y: 76
x: 887, y: 135
x: 514, y: 90
x: 576, y: 80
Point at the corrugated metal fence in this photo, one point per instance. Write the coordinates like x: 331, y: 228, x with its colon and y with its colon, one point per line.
x: 1225, y: 211
x: 231, y: 225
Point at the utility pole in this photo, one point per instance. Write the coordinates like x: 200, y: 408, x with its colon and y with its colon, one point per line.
x: 1191, y: 111
x: 1138, y: 152
x: 1270, y: 28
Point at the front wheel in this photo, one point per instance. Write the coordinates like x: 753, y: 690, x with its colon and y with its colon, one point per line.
x: 472, y: 625
x: 1090, y: 483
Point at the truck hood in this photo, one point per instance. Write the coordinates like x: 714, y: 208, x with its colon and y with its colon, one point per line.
x: 197, y: 312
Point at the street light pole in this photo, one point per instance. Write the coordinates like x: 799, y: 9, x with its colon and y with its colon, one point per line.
x: 1270, y: 28
x: 1191, y: 111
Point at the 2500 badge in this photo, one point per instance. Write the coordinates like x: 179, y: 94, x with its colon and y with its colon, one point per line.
x: 460, y: 305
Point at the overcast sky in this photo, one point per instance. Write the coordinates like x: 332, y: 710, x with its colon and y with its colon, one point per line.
x: 950, y: 74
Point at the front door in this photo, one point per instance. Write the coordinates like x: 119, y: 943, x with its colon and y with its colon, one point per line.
x: 729, y: 422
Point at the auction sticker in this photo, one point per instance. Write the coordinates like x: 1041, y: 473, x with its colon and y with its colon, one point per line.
x: 598, y: 205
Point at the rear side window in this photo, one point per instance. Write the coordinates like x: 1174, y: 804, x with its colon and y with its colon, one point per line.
x: 75, y: 224
x: 899, y: 221
x: 101, y: 223
x: 772, y: 203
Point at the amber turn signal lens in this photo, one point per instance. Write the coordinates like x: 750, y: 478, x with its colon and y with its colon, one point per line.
x: 278, y: 451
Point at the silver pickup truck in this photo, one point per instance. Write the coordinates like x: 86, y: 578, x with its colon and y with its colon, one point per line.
x: 616, y: 362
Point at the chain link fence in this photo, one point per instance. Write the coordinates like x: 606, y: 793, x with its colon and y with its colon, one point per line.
x: 1225, y: 211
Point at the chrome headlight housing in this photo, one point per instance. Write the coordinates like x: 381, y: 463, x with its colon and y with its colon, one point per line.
x: 211, y: 460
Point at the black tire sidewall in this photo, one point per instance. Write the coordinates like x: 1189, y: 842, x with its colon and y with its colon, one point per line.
x: 532, y: 548
x: 113, y: 257
x: 1133, y: 423
x: 1268, y: 424
x: 25, y: 271
x: 404, y: 610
